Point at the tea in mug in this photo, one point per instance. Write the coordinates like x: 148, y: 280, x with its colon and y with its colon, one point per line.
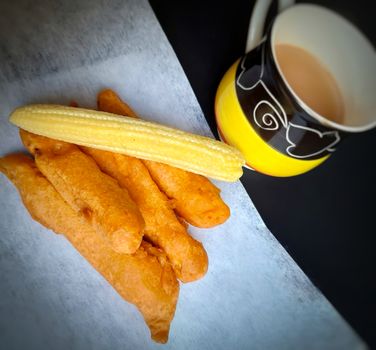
x: 311, y: 81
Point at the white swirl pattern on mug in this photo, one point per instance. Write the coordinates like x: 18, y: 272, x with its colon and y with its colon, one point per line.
x: 281, y: 116
x: 270, y: 122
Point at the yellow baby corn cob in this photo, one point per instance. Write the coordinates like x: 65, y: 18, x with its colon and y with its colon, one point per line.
x: 134, y: 137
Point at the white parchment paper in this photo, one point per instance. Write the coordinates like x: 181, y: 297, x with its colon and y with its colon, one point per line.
x: 254, y: 295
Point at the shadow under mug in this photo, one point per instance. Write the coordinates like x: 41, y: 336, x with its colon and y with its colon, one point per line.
x: 259, y: 113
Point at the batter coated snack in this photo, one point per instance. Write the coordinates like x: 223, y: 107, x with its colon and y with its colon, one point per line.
x: 94, y: 195
x: 193, y: 196
x: 145, y: 278
x: 188, y: 257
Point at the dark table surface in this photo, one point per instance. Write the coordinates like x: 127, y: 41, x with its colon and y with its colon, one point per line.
x: 325, y: 218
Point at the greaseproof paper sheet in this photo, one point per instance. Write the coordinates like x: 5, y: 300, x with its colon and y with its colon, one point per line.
x: 254, y: 296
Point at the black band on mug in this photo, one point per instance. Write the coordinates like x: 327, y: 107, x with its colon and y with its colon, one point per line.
x: 274, y: 112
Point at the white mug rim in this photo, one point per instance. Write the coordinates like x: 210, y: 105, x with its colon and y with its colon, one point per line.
x: 309, y: 110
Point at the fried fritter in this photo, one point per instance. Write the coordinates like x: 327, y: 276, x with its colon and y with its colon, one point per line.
x: 188, y: 257
x: 144, y: 278
x: 91, y: 193
x: 194, y: 197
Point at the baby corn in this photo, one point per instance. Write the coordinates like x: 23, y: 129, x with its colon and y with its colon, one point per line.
x: 134, y: 137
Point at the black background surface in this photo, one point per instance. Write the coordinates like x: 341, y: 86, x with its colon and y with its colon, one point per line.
x: 325, y: 218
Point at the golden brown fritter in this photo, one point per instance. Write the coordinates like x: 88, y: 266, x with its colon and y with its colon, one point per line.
x: 91, y: 193
x: 194, y: 197
x: 188, y: 257
x: 144, y: 278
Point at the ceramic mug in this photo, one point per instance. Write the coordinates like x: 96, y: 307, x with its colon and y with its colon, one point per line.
x: 258, y: 112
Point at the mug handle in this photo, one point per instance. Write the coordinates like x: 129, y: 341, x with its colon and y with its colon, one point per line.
x: 256, y: 24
